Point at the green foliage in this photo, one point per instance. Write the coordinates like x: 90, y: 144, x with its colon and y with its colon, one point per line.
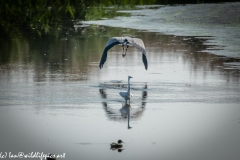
x: 42, y: 15
x: 47, y: 16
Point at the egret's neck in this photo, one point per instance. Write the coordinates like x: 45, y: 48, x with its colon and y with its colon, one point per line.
x: 128, y: 87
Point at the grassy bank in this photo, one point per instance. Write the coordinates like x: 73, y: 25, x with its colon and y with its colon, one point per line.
x: 44, y: 17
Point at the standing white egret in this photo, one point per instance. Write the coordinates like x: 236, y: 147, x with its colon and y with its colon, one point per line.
x: 127, y: 95
x: 125, y: 41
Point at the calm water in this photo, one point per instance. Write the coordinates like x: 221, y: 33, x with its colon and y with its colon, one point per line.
x: 55, y: 99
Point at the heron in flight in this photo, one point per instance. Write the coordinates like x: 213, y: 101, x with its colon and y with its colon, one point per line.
x: 124, y: 41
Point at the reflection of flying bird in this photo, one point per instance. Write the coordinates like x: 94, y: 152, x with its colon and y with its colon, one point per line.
x: 124, y: 41
x: 127, y: 95
x: 112, y: 111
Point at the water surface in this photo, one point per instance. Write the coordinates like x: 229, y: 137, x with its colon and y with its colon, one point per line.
x: 55, y: 99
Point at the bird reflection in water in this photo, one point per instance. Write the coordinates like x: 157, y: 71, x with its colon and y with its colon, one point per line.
x: 144, y: 95
x: 126, y: 111
x: 118, y: 149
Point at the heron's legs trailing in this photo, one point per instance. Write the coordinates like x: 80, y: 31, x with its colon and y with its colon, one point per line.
x: 126, y: 49
x: 123, y: 55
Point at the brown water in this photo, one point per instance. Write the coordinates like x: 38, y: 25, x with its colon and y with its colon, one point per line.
x: 55, y: 99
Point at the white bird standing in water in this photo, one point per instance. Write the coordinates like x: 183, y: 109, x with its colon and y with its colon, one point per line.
x: 127, y: 95
x: 124, y: 41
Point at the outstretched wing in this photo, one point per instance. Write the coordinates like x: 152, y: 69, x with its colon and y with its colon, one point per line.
x: 138, y: 43
x: 111, y: 42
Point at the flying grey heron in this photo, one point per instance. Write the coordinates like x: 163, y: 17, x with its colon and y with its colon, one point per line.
x: 124, y: 41
x: 127, y: 95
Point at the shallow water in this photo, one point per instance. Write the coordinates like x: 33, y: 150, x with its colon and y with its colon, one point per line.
x: 55, y: 99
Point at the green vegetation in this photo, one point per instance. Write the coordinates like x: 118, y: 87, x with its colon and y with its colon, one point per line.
x: 44, y: 16
x: 40, y: 15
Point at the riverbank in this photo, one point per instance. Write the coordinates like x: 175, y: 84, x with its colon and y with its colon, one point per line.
x: 219, y: 23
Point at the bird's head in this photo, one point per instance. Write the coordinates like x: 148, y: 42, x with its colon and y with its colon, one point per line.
x: 125, y: 41
x: 130, y: 77
x: 120, y: 141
